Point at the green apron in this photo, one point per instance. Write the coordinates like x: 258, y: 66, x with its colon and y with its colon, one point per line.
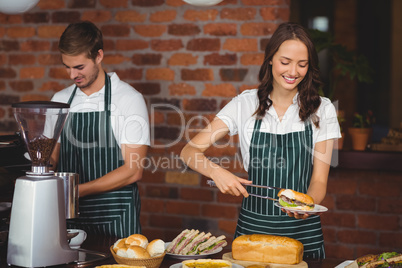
x: 283, y: 161
x: 89, y: 148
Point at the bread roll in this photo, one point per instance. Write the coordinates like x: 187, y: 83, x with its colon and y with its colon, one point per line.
x: 119, y: 244
x: 156, y: 247
x: 137, y: 252
x: 267, y: 249
x: 122, y: 252
x: 137, y: 240
x: 206, y: 263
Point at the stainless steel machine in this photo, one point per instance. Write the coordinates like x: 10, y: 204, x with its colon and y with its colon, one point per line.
x: 37, y: 234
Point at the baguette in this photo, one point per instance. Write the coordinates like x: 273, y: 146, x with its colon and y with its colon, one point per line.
x: 267, y: 249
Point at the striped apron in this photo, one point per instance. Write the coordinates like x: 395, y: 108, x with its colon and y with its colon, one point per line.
x: 283, y: 161
x: 89, y: 148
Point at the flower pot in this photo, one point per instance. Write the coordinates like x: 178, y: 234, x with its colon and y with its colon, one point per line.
x: 338, y: 144
x: 360, y: 137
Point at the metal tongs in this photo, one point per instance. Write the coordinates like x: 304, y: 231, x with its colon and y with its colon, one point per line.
x: 212, y: 184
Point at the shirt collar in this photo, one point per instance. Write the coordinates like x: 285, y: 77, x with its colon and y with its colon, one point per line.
x: 271, y: 111
x: 295, y: 97
x: 95, y: 94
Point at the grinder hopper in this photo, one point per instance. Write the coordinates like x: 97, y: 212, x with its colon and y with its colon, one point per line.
x: 37, y: 235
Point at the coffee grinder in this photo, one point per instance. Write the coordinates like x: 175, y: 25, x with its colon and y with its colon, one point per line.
x: 37, y: 234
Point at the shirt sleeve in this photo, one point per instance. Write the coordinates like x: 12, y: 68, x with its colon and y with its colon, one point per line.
x: 135, y: 121
x: 329, y: 126
x: 237, y: 113
x: 228, y: 115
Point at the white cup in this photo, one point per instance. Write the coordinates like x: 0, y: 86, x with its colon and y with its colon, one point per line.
x: 77, y: 240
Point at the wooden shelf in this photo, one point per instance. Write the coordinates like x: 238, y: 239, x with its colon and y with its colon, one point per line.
x: 367, y: 160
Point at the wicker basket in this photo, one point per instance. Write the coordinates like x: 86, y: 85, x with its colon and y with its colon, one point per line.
x: 154, y: 262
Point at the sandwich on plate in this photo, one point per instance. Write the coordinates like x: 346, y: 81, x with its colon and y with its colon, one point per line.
x: 384, y: 260
x: 295, y: 200
x: 192, y: 242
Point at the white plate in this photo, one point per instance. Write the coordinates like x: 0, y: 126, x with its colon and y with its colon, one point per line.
x: 344, y: 264
x: 178, y: 265
x: 317, y: 209
x: 191, y: 257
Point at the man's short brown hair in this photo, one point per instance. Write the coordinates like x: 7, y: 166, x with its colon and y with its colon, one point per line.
x: 81, y: 37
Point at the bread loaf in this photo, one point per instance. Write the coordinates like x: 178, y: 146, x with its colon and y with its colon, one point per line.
x: 267, y: 249
x: 206, y: 263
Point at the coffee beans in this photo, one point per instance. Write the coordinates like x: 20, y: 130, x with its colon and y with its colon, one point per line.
x: 40, y: 150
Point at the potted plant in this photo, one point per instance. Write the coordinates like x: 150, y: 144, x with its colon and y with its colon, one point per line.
x: 361, y: 130
x: 344, y: 63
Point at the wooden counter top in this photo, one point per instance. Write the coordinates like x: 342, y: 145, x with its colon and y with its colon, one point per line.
x: 102, y: 244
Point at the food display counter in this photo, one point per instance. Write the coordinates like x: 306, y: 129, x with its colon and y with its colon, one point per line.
x: 101, y: 245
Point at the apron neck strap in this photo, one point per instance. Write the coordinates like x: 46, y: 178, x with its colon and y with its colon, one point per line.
x: 72, y: 95
x: 108, y: 92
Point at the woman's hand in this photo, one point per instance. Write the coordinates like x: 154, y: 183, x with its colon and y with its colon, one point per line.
x: 193, y: 156
x: 299, y: 216
x: 228, y: 183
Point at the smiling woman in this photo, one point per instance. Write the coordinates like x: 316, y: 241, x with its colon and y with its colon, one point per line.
x: 285, y: 119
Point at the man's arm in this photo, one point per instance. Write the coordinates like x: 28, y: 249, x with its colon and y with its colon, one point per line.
x: 127, y: 174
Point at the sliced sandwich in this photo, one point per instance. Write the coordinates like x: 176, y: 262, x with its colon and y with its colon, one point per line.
x: 181, y: 241
x: 191, y: 248
x: 171, y: 247
x: 192, y: 242
x: 212, y: 244
x: 185, y: 241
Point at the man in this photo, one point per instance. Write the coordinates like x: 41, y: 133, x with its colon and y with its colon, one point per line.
x: 105, y: 137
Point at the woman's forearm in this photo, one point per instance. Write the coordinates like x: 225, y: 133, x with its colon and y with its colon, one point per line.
x: 197, y: 161
x: 317, y: 191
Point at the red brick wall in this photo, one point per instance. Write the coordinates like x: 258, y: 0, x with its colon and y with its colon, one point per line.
x: 195, y: 58
x: 188, y: 62
x: 365, y: 213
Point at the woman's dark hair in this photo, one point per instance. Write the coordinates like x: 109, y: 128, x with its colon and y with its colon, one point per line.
x: 81, y: 37
x: 308, y: 98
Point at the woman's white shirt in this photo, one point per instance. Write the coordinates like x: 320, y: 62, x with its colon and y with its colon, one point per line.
x: 239, y: 116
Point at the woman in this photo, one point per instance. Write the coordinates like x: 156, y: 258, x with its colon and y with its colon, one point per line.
x: 286, y: 133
